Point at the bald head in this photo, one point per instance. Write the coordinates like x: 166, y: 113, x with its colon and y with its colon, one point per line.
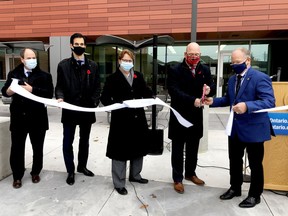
x: 27, y: 51
x: 240, y: 55
x: 193, y: 47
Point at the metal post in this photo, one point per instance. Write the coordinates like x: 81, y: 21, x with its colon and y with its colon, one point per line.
x: 278, y: 74
x: 154, y: 83
x: 194, y: 21
x: 116, y: 54
x: 140, y: 64
x: 165, y: 70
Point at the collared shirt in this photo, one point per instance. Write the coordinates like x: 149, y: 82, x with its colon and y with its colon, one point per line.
x: 243, y: 75
x: 26, y: 72
x: 192, y: 69
x: 80, y: 61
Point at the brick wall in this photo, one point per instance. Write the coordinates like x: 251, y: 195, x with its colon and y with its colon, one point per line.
x: 44, y: 18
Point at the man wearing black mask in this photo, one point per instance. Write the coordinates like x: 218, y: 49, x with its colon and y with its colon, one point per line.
x: 78, y: 83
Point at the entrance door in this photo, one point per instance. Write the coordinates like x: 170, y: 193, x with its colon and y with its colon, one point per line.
x: 225, y: 71
x: 11, y: 61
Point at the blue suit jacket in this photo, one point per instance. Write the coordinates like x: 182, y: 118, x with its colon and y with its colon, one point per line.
x: 257, y: 92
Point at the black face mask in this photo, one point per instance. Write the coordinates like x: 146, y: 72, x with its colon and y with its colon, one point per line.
x: 78, y: 50
x: 239, y: 68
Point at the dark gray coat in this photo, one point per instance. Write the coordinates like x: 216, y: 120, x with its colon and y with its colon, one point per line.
x: 128, y: 125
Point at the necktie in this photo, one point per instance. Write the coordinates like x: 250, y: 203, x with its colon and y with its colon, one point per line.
x: 193, y: 72
x: 79, y: 62
x: 29, y: 73
x: 239, y: 77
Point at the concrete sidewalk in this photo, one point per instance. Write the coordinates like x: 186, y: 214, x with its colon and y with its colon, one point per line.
x: 96, y: 195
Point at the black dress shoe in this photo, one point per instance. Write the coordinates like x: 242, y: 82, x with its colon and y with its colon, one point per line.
x: 85, y: 171
x: 122, y: 191
x: 17, y: 184
x: 141, y: 181
x: 70, y: 179
x: 249, y: 202
x: 230, y: 194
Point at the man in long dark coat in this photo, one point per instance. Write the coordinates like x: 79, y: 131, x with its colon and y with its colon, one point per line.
x: 186, y: 83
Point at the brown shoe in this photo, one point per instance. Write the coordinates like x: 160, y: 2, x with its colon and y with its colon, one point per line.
x: 195, y: 180
x: 179, y: 187
x: 35, y: 178
x: 17, y: 184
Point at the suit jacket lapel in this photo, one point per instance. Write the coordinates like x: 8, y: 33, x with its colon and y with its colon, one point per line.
x: 122, y: 78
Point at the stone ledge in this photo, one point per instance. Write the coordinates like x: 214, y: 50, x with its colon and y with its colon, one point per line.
x: 5, y: 146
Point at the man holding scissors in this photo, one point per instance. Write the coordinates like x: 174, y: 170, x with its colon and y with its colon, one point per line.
x: 188, y: 83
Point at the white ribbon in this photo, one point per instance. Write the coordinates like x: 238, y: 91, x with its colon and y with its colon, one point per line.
x: 280, y: 108
x: 231, y: 116
x: 128, y: 103
x: 229, y: 124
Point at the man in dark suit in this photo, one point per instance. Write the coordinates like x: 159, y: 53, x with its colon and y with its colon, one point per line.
x: 186, y: 83
x: 253, y: 91
x: 27, y: 116
x: 78, y: 83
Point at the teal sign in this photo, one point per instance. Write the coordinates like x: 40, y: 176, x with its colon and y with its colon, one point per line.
x: 279, y: 123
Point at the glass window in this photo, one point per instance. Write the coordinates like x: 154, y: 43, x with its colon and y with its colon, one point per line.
x: 167, y: 56
x: 43, y: 60
x: 259, y: 57
x: 2, y: 65
x: 106, y: 57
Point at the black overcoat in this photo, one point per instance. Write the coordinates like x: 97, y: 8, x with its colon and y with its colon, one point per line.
x: 26, y: 113
x: 184, y: 88
x: 80, y: 86
x: 128, y: 126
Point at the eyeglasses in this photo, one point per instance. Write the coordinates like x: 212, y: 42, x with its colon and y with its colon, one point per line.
x: 127, y: 60
x: 193, y: 54
x: 238, y: 62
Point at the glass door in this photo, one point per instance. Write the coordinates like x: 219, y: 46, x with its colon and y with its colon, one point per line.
x: 225, y: 71
x: 11, y: 61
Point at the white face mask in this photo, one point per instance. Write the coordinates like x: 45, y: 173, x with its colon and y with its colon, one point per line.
x: 31, y: 63
x: 126, y: 65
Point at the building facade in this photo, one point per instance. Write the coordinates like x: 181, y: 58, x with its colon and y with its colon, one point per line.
x: 219, y: 26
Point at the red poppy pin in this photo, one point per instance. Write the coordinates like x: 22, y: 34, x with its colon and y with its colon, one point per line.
x: 88, y: 72
x: 135, y: 76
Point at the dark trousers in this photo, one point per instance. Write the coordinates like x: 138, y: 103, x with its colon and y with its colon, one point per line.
x: 83, y: 151
x: 177, y: 157
x: 255, y: 152
x: 17, y: 155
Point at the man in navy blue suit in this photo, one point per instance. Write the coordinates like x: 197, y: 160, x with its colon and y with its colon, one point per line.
x: 249, y: 130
